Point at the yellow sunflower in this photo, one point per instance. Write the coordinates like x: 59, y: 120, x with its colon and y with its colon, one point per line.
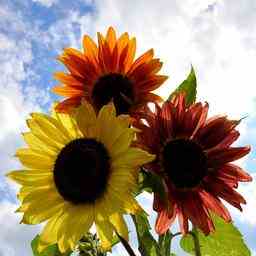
x: 80, y: 169
x: 108, y: 71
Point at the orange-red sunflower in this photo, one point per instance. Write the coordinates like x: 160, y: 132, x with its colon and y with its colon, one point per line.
x: 194, y: 158
x: 108, y: 72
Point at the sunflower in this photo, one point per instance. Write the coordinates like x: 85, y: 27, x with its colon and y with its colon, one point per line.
x: 108, y: 71
x: 193, y: 157
x: 80, y: 169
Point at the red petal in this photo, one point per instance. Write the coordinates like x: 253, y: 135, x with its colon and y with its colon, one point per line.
x: 221, y: 189
x: 166, y: 121
x: 215, y: 205
x: 198, y: 215
x: 164, y: 220
x: 220, y: 156
x: 215, y: 131
x: 183, y: 222
x: 235, y: 172
x: 228, y: 141
x: 202, y: 119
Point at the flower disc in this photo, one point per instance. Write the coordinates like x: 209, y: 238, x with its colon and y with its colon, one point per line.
x: 81, y: 171
x: 114, y: 87
x: 184, y: 163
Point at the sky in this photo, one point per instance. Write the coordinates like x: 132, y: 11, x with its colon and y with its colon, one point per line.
x: 218, y: 37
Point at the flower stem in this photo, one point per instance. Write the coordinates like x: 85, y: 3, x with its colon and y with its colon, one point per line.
x: 126, y: 245
x: 196, y: 242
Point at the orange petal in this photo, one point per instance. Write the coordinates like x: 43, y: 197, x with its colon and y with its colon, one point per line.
x: 122, y: 41
x: 111, y: 38
x: 149, y: 97
x: 90, y: 49
x: 151, y: 83
x: 145, y: 70
x: 66, y: 105
x: 101, y: 53
x: 67, y: 91
x: 130, y: 54
x: 146, y: 57
x: 68, y: 79
x: 122, y: 58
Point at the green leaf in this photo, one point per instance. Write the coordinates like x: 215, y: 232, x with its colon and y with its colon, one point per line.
x: 226, y: 240
x: 189, y: 87
x: 151, y: 182
x: 164, y: 242
x: 147, y: 244
x: 51, y: 250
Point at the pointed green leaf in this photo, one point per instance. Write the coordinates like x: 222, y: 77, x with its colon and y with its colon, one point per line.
x: 226, y: 240
x: 189, y: 87
x: 147, y: 244
x: 51, y: 250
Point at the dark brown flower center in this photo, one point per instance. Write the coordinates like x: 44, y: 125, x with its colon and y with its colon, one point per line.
x: 184, y: 163
x: 114, y: 87
x: 81, y: 171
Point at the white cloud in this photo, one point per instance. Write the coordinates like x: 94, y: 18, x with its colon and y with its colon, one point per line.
x: 203, y: 33
x: 247, y: 216
x: 46, y: 3
x: 16, y: 100
x: 14, y: 237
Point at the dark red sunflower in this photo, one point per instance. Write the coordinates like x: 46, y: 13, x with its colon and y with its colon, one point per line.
x: 108, y: 72
x: 194, y: 158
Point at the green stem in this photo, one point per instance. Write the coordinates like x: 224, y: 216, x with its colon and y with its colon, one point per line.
x: 196, y: 242
x: 172, y: 236
x: 126, y: 245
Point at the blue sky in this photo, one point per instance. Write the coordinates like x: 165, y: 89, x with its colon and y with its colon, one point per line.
x: 216, y: 36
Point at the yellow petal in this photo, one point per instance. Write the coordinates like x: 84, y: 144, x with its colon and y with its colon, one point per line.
x: 39, y: 133
x: 131, y: 206
x: 124, y: 179
x: 36, y: 144
x: 105, y: 232
x: 24, y: 191
x: 86, y: 120
x: 133, y: 157
x: 110, y: 127
x: 46, y: 124
x: 78, y: 221
x: 49, y: 233
x: 31, y: 177
x: 119, y: 224
x: 68, y: 123
x: 39, y: 208
x: 105, y: 121
x: 33, y: 160
x: 124, y: 120
x: 123, y: 142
